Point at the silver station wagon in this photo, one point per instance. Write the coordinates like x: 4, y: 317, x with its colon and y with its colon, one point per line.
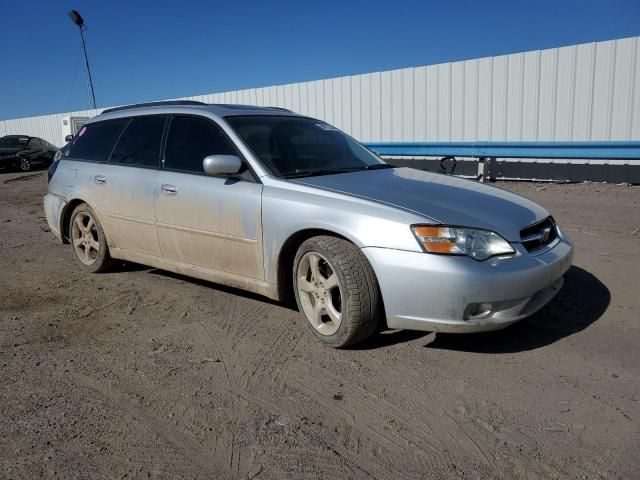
x: 287, y: 206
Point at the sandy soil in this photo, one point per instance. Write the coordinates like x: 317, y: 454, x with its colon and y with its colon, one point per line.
x: 139, y: 373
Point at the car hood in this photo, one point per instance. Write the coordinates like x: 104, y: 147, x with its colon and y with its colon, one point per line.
x: 443, y: 198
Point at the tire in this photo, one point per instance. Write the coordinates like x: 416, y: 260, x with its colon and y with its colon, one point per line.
x: 341, y: 301
x: 88, y: 242
x: 24, y: 164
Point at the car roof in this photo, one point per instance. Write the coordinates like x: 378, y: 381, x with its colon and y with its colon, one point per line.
x: 188, y: 106
x: 18, y: 136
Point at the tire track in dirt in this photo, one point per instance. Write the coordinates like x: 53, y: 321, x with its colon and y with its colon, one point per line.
x: 227, y: 450
x: 250, y: 385
x: 359, y: 456
x: 406, y: 427
x: 238, y: 374
x: 209, y: 345
x: 363, y: 417
x: 180, y: 442
x: 333, y: 462
x: 290, y: 464
x: 233, y: 353
x: 448, y: 426
x: 362, y: 405
x: 471, y: 432
x: 457, y: 428
x: 266, y: 361
x: 271, y: 359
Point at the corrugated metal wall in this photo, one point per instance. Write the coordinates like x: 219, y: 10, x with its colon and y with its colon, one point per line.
x: 581, y: 92
x: 48, y: 127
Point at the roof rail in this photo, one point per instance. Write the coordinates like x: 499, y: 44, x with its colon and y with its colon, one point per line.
x: 254, y: 107
x: 153, y: 104
x: 280, y: 108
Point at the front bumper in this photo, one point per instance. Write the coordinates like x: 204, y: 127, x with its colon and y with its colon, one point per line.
x: 440, y: 293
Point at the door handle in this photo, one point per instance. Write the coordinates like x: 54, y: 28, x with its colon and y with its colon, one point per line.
x: 169, y: 190
x: 100, y: 179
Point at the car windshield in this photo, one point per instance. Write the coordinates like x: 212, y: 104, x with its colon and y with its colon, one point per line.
x: 14, y: 142
x: 298, y: 147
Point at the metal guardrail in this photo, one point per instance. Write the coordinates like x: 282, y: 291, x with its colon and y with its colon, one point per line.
x: 487, y: 153
x: 561, y: 150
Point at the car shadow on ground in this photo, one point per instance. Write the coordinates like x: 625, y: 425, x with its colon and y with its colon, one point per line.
x: 581, y: 302
x: 220, y: 287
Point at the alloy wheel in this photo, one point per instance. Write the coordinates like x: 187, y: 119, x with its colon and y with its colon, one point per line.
x: 84, y: 236
x: 25, y: 164
x: 319, y: 293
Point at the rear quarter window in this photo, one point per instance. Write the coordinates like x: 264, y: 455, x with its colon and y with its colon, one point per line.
x: 95, y: 141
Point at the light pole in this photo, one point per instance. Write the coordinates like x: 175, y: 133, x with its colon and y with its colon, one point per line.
x: 79, y: 21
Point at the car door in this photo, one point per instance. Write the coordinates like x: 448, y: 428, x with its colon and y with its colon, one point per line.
x: 36, y: 150
x: 86, y: 156
x: 127, y: 183
x: 213, y: 222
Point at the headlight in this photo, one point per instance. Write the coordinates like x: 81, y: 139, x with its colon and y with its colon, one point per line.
x: 57, y: 156
x: 477, y: 244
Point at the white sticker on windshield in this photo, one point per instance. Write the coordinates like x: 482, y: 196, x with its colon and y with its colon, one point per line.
x: 327, y: 127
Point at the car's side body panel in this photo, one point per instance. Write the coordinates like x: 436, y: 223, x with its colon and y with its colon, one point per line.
x: 198, y: 271
x: 125, y: 196
x: 210, y: 221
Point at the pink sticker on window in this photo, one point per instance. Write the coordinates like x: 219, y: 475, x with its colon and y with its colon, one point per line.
x: 81, y: 132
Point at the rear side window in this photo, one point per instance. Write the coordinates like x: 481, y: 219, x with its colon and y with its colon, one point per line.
x: 14, y: 142
x: 95, y: 141
x: 139, y: 145
x: 191, y: 139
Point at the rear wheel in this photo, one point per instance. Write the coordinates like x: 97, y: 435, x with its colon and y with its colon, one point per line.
x: 87, y: 238
x: 336, y: 291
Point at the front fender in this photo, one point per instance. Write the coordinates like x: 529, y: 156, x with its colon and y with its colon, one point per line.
x: 288, y: 211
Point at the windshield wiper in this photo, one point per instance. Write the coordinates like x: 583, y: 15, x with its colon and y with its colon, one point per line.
x: 315, y: 173
x: 380, y: 166
x: 333, y: 171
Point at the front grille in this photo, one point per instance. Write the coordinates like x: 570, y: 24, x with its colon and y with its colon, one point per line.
x: 539, y: 235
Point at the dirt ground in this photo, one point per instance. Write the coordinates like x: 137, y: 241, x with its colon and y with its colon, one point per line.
x: 140, y: 373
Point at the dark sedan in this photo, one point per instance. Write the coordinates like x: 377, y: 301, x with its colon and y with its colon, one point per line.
x: 24, y: 152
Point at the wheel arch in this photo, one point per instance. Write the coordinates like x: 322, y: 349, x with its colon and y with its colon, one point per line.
x: 287, y: 255
x: 65, y: 218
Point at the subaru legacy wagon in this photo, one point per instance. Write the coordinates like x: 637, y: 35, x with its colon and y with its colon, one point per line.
x: 287, y: 206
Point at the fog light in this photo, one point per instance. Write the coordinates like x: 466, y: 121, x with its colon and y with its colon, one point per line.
x: 478, y: 310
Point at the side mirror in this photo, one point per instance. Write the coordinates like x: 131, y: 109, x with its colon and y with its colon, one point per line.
x: 221, y: 165
x: 68, y: 138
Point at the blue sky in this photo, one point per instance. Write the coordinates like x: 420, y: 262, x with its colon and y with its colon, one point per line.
x: 143, y: 50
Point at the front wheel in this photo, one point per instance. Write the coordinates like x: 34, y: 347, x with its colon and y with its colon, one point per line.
x: 336, y: 291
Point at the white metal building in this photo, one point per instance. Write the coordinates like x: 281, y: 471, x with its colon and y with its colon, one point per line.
x: 581, y: 92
